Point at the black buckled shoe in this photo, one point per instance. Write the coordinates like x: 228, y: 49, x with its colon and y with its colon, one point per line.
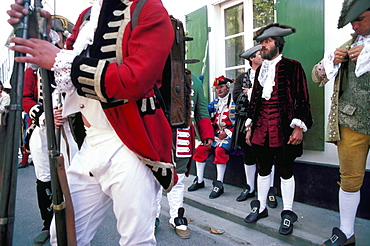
x: 181, y: 225
x: 195, y: 186
x: 338, y: 238
x: 245, y: 194
x: 271, y: 197
x: 218, y: 189
x: 255, y: 212
x: 287, y: 219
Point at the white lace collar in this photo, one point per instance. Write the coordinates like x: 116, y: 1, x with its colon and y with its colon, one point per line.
x: 266, y: 77
x: 86, y: 34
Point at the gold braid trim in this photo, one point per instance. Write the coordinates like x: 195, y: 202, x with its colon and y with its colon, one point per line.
x: 64, y: 21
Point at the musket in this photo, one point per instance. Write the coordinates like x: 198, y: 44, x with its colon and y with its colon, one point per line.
x: 12, y: 141
x: 65, y: 229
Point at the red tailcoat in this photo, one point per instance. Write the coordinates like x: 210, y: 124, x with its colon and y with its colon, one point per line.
x: 30, y: 90
x: 144, y: 50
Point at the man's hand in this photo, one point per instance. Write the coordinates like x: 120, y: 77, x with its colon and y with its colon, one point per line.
x: 354, y: 52
x: 207, y: 142
x: 340, y: 55
x: 58, y: 119
x: 42, y: 52
x: 17, y: 11
x: 296, y: 137
x: 222, y: 135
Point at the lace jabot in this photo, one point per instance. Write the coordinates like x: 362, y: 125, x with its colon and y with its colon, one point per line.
x: 266, y: 77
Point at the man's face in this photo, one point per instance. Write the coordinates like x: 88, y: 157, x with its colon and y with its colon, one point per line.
x: 257, y: 60
x: 361, y: 25
x: 269, y: 49
x: 222, y: 90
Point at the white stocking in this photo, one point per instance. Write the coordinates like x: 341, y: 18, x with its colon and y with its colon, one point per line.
x: 348, y: 203
x: 250, y: 174
x: 176, y: 197
x: 221, y: 168
x: 200, y: 171
x: 263, y: 186
x: 287, y: 192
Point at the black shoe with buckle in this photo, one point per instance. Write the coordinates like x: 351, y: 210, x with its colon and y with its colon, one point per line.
x: 255, y: 212
x: 245, y: 194
x: 218, y: 189
x: 287, y: 219
x: 195, y: 186
x: 338, y: 238
x: 181, y: 225
x: 271, y: 197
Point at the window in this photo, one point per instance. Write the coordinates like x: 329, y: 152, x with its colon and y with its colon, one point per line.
x: 238, y: 26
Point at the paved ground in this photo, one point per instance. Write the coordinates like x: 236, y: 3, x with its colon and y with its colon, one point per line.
x: 224, y: 213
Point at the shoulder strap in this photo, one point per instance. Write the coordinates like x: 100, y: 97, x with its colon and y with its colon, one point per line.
x: 136, y: 13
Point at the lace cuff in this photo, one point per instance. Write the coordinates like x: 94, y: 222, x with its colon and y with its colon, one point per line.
x: 297, y: 122
x: 319, y: 74
x: 330, y: 68
x: 363, y: 65
x: 228, y: 133
x: 248, y: 122
x: 62, y: 70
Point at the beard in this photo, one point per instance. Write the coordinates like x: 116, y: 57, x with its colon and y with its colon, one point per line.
x: 268, y: 55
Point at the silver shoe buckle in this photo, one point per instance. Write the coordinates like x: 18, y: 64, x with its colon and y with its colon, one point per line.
x: 286, y: 222
x: 334, y: 238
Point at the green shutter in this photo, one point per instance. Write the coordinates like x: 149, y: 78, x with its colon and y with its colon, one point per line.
x: 307, y: 47
x: 197, y: 28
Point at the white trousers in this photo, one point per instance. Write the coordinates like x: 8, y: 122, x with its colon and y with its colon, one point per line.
x: 39, y: 151
x: 105, y: 173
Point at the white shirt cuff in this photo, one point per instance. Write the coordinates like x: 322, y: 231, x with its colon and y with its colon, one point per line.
x: 297, y: 122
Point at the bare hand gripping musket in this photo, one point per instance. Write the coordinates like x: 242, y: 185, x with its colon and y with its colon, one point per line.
x: 9, y: 156
x: 63, y: 209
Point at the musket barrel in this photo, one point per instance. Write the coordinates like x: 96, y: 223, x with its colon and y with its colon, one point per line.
x: 12, y: 142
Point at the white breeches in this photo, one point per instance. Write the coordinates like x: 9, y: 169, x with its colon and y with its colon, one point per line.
x: 105, y: 173
x: 39, y: 151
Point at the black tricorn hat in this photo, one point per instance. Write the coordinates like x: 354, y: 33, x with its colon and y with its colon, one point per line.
x: 61, y: 24
x: 249, y: 52
x: 273, y: 30
x: 351, y: 9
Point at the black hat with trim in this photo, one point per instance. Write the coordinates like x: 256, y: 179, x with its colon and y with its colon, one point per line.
x: 273, y: 30
x: 62, y: 24
x: 351, y: 9
x: 250, y: 52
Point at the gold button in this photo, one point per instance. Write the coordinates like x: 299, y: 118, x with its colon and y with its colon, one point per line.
x: 82, y: 106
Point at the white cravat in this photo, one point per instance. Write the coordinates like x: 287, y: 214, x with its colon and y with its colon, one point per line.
x: 266, y: 77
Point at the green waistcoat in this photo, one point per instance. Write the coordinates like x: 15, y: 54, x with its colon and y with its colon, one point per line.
x: 354, y: 102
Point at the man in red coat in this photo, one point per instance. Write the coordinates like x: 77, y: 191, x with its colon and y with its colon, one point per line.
x: 278, y: 114
x: 109, y: 76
